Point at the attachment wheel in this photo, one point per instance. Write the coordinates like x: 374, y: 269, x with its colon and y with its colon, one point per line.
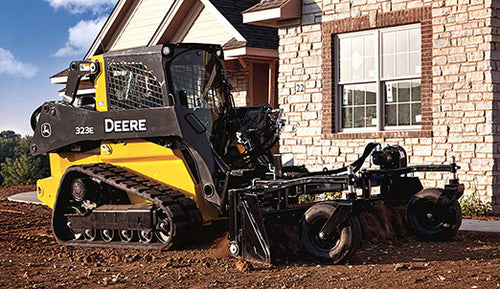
x: 433, y: 219
x: 336, y: 247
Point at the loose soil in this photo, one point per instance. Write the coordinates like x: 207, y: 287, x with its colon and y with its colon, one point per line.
x: 30, y: 258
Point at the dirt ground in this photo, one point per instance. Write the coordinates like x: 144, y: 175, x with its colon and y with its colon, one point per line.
x: 30, y: 258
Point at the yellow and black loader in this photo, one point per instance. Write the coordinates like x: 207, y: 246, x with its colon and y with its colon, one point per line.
x: 161, y: 150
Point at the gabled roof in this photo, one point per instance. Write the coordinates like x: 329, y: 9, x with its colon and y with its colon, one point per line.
x: 247, y: 39
x: 111, y: 25
x: 230, y: 12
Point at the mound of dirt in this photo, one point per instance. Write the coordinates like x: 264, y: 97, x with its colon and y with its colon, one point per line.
x: 30, y: 258
x: 383, y: 220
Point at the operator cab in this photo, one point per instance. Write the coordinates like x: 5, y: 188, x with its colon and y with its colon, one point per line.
x: 192, y: 77
x: 197, y: 80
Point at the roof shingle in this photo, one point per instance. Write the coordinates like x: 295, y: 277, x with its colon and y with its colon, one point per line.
x: 256, y: 36
x: 268, y: 4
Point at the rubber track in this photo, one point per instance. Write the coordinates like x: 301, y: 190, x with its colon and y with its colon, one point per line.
x: 180, y: 209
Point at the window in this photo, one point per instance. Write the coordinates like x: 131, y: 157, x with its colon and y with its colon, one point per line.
x: 197, y: 78
x: 378, y: 79
x: 132, y: 85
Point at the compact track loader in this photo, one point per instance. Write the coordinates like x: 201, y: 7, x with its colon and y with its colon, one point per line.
x: 160, y: 150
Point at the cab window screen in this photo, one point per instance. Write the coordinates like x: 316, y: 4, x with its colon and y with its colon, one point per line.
x: 131, y: 86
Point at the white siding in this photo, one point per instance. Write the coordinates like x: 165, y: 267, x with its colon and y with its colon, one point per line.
x: 142, y: 24
x: 207, y: 29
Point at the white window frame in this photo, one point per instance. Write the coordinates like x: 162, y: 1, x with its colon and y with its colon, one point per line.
x: 380, y: 103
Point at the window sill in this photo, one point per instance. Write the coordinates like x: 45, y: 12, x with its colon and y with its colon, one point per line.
x: 379, y: 134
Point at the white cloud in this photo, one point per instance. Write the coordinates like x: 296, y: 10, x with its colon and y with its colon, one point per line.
x: 10, y: 65
x: 81, y: 37
x: 80, y: 6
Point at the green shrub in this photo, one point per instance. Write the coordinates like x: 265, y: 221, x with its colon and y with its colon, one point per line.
x: 17, y: 165
x: 472, y: 206
x: 23, y: 170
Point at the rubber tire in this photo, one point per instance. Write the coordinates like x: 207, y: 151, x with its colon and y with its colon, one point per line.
x: 347, y: 244
x: 425, y: 202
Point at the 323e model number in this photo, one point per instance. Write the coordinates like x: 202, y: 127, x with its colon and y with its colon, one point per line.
x: 79, y: 130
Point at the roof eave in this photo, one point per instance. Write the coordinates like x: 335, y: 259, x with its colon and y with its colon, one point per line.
x: 250, y: 52
x: 288, y: 13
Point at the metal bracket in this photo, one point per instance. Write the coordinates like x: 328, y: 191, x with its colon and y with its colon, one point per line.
x: 342, y: 211
x: 247, y: 231
x: 77, y: 70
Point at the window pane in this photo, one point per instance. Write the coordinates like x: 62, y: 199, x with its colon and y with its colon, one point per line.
x: 404, y: 115
x: 345, y: 59
x: 391, y: 92
x: 404, y: 91
x: 402, y: 105
x: 402, y: 65
x: 388, y: 66
x: 361, y: 110
x: 357, y: 69
x: 359, y: 95
x: 347, y: 117
x: 357, y: 58
x: 347, y: 97
x: 402, y: 41
x: 371, y: 116
x: 371, y: 94
x: 357, y: 46
x: 369, y: 68
x: 415, y: 90
x: 345, y: 48
x: 345, y: 70
x: 359, y: 116
x: 416, y: 114
x: 415, y: 42
x: 391, y: 114
x: 415, y: 66
x: 369, y: 45
x: 401, y: 53
x: 388, y: 40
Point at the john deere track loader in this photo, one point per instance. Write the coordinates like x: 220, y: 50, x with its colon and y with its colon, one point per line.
x: 160, y: 150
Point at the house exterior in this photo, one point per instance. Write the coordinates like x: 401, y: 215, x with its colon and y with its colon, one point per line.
x: 422, y: 74
x: 251, y: 52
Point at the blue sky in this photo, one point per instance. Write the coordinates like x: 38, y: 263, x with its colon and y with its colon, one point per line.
x: 39, y: 38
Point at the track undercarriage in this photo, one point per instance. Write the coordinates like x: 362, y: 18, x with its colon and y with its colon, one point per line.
x: 94, y: 209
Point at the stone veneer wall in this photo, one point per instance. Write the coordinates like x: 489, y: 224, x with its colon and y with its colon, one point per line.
x: 458, y: 87
x: 495, y: 75
x: 239, y: 80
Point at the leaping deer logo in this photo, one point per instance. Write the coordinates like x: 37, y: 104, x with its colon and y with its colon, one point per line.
x: 46, y: 129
